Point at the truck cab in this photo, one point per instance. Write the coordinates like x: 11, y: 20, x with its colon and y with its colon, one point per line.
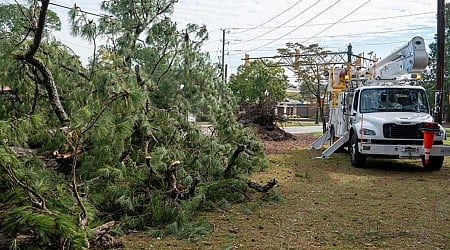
x: 387, y: 121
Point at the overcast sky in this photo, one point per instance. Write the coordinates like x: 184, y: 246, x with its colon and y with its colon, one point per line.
x: 259, y: 27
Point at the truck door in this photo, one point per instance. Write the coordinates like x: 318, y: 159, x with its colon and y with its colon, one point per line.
x: 353, y: 109
x: 355, y: 102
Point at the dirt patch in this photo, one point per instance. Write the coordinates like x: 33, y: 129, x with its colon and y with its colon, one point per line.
x: 295, y: 142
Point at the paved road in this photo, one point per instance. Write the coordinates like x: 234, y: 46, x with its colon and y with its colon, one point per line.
x: 303, y: 129
x: 207, y: 128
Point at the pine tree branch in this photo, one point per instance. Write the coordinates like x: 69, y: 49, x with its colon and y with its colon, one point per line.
x: 36, y: 95
x: 168, y: 68
x: 172, y: 177
x: 40, y: 203
x: 101, y: 230
x: 260, y: 188
x: 105, y: 105
x: 48, y: 80
x: 100, y: 239
x: 50, y: 86
x: 38, y: 30
x: 233, y: 159
x: 34, y: 76
x: 163, y: 9
x: 81, y: 74
x: 139, y: 78
x: 176, y: 190
x: 83, y: 219
x: 160, y: 59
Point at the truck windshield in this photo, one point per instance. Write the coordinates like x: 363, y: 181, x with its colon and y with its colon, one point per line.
x: 393, y: 100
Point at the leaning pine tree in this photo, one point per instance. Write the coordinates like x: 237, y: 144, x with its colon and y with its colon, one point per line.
x: 110, y: 145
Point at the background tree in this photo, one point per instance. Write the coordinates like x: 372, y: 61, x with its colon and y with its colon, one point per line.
x: 258, y: 87
x: 310, y: 65
x: 258, y: 82
x: 126, y: 151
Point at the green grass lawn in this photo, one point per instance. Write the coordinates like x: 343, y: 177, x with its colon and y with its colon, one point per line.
x: 447, y: 142
x: 328, y: 204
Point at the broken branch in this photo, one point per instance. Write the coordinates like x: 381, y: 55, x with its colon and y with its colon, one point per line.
x: 260, y: 188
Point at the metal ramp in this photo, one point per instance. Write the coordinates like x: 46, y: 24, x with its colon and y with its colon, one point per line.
x: 331, y: 149
x: 336, y: 145
x: 317, y: 144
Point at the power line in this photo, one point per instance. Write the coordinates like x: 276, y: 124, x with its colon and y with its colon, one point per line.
x: 352, y: 35
x: 335, y: 46
x: 70, y: 8
x: 309, y: 20
x: 281, y: 13
x: 320, y: 24
x: 82, y: 11
x: 351, y: 21
x: 217, y: 40
x: 284, y: 22
x: 345, y: 35
x: 320, y: 32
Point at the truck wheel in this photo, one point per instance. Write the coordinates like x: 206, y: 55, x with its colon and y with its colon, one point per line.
x: 434, y: 163
x: 358, y: 160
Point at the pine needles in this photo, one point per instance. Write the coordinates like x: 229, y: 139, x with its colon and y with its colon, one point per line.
x: 114, y: 160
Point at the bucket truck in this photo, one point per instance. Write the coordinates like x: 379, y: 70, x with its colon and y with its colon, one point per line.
x: 380, y: 110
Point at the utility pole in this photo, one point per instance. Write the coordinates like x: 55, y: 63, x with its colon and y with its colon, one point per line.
x: 223, y: 55
x: 440, y: 60
x: 226, y: 73
x: 349, y: 61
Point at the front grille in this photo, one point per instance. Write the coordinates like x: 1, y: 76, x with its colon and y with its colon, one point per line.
x: 402, y: 131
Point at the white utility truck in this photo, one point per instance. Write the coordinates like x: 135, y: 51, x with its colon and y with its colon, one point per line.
x: 380, y: 110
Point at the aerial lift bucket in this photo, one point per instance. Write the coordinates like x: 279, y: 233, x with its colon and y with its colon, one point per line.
x: 428, y: 130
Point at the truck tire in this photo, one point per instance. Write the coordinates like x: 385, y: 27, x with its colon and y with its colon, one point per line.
x: 434, y: 163
x: 358, y: 160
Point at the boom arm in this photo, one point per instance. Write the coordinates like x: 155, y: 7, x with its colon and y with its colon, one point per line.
x: 410, y: 58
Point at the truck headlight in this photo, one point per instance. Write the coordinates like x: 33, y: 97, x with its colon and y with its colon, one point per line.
x: 439, y: 133
x: 368, y: 132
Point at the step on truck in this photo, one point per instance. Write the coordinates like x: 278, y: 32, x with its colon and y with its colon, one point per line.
x: 380, y: 110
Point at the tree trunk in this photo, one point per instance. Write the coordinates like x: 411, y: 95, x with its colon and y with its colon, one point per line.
x: 48, y: 81
x: 50, y: 86
x: 321, y: 113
